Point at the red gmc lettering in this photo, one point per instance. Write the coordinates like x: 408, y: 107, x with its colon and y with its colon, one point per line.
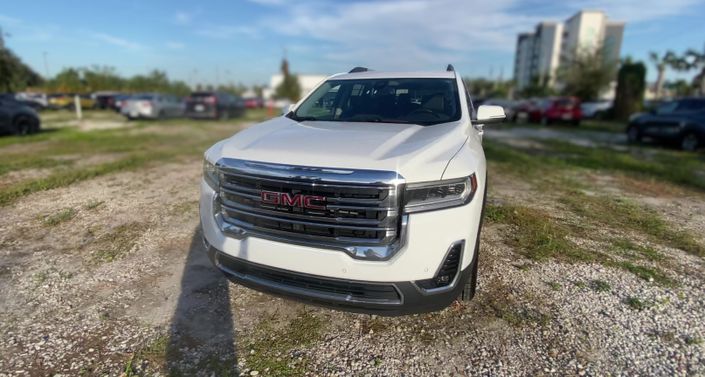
x: 296, y: 200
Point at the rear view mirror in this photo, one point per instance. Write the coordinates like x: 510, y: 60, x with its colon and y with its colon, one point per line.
x: 487, y: 114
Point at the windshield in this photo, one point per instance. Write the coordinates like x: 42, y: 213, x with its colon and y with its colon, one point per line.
x: 422, y: 101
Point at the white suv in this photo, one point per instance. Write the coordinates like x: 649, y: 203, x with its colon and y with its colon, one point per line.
x: 366, y: 196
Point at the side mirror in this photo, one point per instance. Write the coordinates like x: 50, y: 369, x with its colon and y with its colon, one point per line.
x: 487, y: 114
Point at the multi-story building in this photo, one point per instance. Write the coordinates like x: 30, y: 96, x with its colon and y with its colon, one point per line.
x: 554, y: 44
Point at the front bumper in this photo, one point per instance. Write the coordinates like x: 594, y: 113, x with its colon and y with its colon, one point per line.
x: 388, y: 298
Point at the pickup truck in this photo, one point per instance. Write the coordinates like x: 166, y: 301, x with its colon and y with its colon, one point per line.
x: 366, y: 196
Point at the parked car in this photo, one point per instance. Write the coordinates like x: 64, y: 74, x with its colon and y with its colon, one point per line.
x: 119, y: 101
x: 37, y: 101
x: 681, y: 122
x: 558, y: 109
x: 528, y: 110
x: 368, y: 196
x: 253, y: 102
x: 16, y: 117
x: 152, y: 106
x: 596, y: 109
x: 105, y: 100
x: 67, y: 101
x: 214, y: 105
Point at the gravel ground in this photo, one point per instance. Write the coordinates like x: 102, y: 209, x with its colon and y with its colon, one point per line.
x: 123, y: 287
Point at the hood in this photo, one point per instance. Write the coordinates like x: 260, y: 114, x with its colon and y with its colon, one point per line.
x: 418, y: 153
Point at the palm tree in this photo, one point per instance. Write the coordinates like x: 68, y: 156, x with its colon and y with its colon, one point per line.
x: 662, y: 62
x: 692, y: 60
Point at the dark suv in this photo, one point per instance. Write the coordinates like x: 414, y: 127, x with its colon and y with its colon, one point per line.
x: 681, y: 121
x: 214, y: 105
x: 16, y: 117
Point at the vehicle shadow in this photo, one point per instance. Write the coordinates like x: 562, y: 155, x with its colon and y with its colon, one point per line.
x: 202, y: 332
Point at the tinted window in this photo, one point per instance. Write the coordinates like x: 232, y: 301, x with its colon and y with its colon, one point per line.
x: 420, y: 101
x: 691, y: 105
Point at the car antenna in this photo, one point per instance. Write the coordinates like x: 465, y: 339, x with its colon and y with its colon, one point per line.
x: 450, y: 68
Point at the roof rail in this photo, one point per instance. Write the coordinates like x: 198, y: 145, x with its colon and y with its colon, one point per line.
x: 358, y: 69
x: 450, y: 68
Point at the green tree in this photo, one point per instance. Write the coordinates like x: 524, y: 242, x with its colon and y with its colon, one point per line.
x: 679, y: 88
x: 98, y: 78
x: 538, y: 87
x: 694, y: 60
x: 631, y: 82
x: 15, y: 75
x: 661, y: 62
x: 289, y: 88
x: 67, y: 81
x: 587, y: 74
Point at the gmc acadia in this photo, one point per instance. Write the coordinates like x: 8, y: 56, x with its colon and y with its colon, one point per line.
x: 366, y: 196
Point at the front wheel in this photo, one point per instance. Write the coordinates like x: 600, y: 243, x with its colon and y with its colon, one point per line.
x: 690, y: 142
x: 23, y: 126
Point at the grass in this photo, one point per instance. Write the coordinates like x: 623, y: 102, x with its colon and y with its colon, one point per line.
x: 637, y: 251
x: 269, y: 351
x: 118, y: 242
x: 93, y: 204
x: 646, y: 273
x: 154, y: 353
x: 539, y: 237
x: 636, y: 303
x: 136, y: 146
x: 536, y: 235
x: 59, y: 217
x: 557, y: 156
x: 501, y: 302
x: 618, y: 213
x: 600, y: 286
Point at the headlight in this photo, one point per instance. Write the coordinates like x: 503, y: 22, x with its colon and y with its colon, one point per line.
x: 429, y: 196
x: 210, y: 174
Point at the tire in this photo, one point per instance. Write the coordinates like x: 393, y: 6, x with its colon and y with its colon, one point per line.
x: 22, y: 125
x: 633, y: 134
x: 470, y: 287
x: 690, y: 142
x: 224, y: 115
x: 576, y: 122
x: 161, y: 115
x: 545, y: 121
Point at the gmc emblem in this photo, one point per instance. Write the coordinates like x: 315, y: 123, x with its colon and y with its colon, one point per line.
x: 292, y: 200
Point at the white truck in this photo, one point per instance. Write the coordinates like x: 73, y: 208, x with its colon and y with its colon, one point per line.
x: 366, y: 196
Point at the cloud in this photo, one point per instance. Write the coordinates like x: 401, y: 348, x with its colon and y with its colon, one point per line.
x: 402, y: 34
x: 184, y: 18
x: 228, y: 32
x: 268, y: 2
x: 175, y: 45
x: 117, y: 41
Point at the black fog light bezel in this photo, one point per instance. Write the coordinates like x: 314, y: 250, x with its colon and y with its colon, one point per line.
x: 443, y: 280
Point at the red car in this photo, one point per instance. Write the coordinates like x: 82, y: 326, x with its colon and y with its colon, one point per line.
x: 561, y: 109
x: 254, y: 102
x: 550, y: 110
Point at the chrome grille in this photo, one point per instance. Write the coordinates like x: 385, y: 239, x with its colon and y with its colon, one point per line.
x: 358, y: 210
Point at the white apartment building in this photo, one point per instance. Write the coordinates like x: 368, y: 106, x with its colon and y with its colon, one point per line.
x: 552, y: 44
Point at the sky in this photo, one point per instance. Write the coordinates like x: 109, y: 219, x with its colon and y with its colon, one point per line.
x: 243, y: 41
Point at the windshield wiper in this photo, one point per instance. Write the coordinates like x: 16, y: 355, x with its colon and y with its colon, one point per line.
x: 301, y: 119
x: 376, y: 120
